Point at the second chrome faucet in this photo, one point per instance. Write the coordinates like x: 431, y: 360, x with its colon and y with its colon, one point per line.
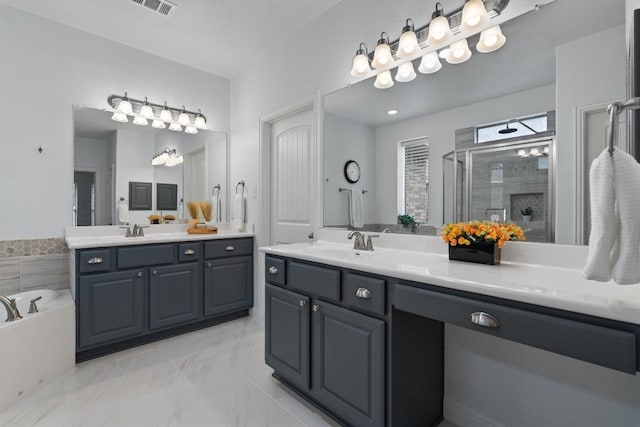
x: 359, y: 241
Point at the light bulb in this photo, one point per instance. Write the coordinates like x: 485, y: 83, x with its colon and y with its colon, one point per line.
x: 408, y: 45
x: 146, y: 111
x: 392, y: 112
x: 175, y: 127
x: 360, y: 66
x: 158, y: 124
x: 522, y: 153
x: 384, y: 80
x: 382, y: 56
x: 200, y: 122
x: 165, y: 115
x: 491, y: 40
x: 183, y: 118
x: 439, y: 30
x: 190, y: 130
x: 430, y: 63
x: 119, y: 117
x: 474, y: 15
x: 405, y: 72
x: 459, y: 52
x: 140, y: 121
x: 125, y: 106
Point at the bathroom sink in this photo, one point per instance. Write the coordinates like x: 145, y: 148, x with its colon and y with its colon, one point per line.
x: 340, y: 253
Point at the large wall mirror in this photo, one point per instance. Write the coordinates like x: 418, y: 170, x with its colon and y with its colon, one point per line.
x: 112, y: 165
x: 488, y: 138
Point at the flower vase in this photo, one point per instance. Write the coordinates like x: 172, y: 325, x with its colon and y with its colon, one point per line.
x: 478, y: 252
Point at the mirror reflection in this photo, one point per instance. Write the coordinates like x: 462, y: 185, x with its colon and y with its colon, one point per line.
x: 510, y: 134
x: 115, y: 181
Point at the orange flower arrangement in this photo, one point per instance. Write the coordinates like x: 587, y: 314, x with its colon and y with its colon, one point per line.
x: 466, y: 233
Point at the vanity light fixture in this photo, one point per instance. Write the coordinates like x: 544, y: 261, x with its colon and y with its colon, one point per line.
x: 474, y: 15
x: 160, y: 158
x: 383, y: 80
x: 430, y: 63
x: 439, y: 30
x: 382, y: 56
x: 361, y: 66
x: 491, y: 40
x: 142, y: 111
x: 405, y: 73
x: 408, y: 44
x: 459, y: 52
x: 174, y: 160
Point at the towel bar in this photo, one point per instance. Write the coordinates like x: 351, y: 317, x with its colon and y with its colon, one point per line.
x: 348, y: 189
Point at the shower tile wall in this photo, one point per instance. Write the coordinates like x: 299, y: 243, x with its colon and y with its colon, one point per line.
x: 33, y: 264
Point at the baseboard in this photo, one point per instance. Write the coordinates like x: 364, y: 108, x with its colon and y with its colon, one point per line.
x: 463, y: 416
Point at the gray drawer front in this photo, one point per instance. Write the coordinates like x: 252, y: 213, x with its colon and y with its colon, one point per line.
x: 371, y: 293
x: 274, y: 270
x: 228, y: 247
x: 608, y: 347
x: 320, y: 281
x: 95, y: 260
x: 188, y: 252
x: 145, y: 255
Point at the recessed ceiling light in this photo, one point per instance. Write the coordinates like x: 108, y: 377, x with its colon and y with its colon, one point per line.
x: 392, y: 112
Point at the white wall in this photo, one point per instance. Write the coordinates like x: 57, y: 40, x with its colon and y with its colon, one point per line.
x: 589, y: 71
x: 344, y: 140
x: 47, y: 68
x: 92, y: 155
x: 440, y: 128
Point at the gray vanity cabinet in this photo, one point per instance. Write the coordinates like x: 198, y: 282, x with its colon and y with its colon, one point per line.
x: 110, y: 307
x: 287, y: 323
x: 348, y: 363
x: 174, y: 295
x: 228, y: 284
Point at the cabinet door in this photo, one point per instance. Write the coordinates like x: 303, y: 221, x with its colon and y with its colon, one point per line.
x: 348, y: 364
x: 228, y: 285
x: 110, y: 307
x: 174, y: 295
x: 287, y: 334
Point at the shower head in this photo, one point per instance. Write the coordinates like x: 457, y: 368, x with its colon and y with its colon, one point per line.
x: 507, y: 130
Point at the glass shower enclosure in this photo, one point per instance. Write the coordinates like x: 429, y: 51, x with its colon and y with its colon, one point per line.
x: 508, y: 182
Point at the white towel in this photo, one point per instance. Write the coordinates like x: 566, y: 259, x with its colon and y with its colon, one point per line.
x: 216, y: 209
x: 238, y: 213
x: 123, y: 212
x: 626, y: 176
x: 355, y: 208
x: 604, y: 230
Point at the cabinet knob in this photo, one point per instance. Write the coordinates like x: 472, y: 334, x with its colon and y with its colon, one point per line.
x: 316, y: 307
x: 230, y: 248
x: 189, y: 252
x: 363, y: 293
x: 154, y: 272
x: 303, y: 303
x: 209, y: 265
x: 140, y: 274
x: 273, y: 270
x: 484, y: 319
x: 95, y: 260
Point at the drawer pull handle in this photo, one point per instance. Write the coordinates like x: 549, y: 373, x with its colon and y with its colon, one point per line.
x: 303, y: 303
x: 363, y: 293
x: 484, y: 319
x: 316, y: 307
x: 95, y: 260
x: 189, y: 252
x: 209, y: 265
x: 140, y: 274
x: 155, y: 272
x: 230, y: 248
x: 273, y: 270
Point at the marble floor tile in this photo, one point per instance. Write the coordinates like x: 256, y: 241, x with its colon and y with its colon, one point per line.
x: 46, y: 407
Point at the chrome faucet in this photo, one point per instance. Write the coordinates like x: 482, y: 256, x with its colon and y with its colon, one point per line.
x: 369, y: 246
x: 136, y: 232
x: 358, y: 243
x: 12, y: 309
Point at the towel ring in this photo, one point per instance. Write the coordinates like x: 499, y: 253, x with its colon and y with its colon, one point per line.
x: 241, y: 183
x: 213, y: 190
x: 614, y: 111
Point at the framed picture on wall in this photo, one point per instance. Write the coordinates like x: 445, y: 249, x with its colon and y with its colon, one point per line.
x: 496, y: 215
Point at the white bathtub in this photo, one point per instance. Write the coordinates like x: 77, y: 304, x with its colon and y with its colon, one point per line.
x: 39, y: 347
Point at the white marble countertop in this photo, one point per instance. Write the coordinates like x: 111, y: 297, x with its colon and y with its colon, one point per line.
x: 555, y: 287
x: 97, y: 237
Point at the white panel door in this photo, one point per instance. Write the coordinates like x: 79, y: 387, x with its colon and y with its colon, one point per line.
x: 293, y: 178
x: 195, y: 177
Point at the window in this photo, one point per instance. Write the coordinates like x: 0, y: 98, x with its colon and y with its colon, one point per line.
x: 516, y: 128
x: 414, y: 179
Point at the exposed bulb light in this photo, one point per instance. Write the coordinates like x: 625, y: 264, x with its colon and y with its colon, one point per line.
x: 140, y: 121
x: 459, y: 52
x: 474, y: 15
x: 124, y: 106
x: 175, y: 127
x: 146, y: 111
x: 430, y: 63
x: 160, y: 158
x: 382, y: 56
x: 165, y: 114
x: 200, y: 122
x: 383, y: 80
x: 491, y: 40
x: 158, y: 124
x: 183, y: 117
x: 408, y: 45
x: 392, y: 112
x: 439, y: 30
x: 361, y: 62
x: 119, y: 117
x: 405, y: 72
x: 191, y: 130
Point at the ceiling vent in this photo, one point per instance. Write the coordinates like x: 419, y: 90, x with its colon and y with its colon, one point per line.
x: 162, y: 7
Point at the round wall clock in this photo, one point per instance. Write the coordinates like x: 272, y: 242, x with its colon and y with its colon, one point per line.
x: 352, y: 171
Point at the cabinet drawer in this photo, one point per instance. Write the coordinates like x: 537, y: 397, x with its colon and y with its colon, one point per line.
x: 188, y: 252
x: 145, y: 255
x: 95, y: 260
x: 274, y: 270
x: 228, y: 247
x: 365, y: 293
x: 320, y: 281
x: 603, y: 346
